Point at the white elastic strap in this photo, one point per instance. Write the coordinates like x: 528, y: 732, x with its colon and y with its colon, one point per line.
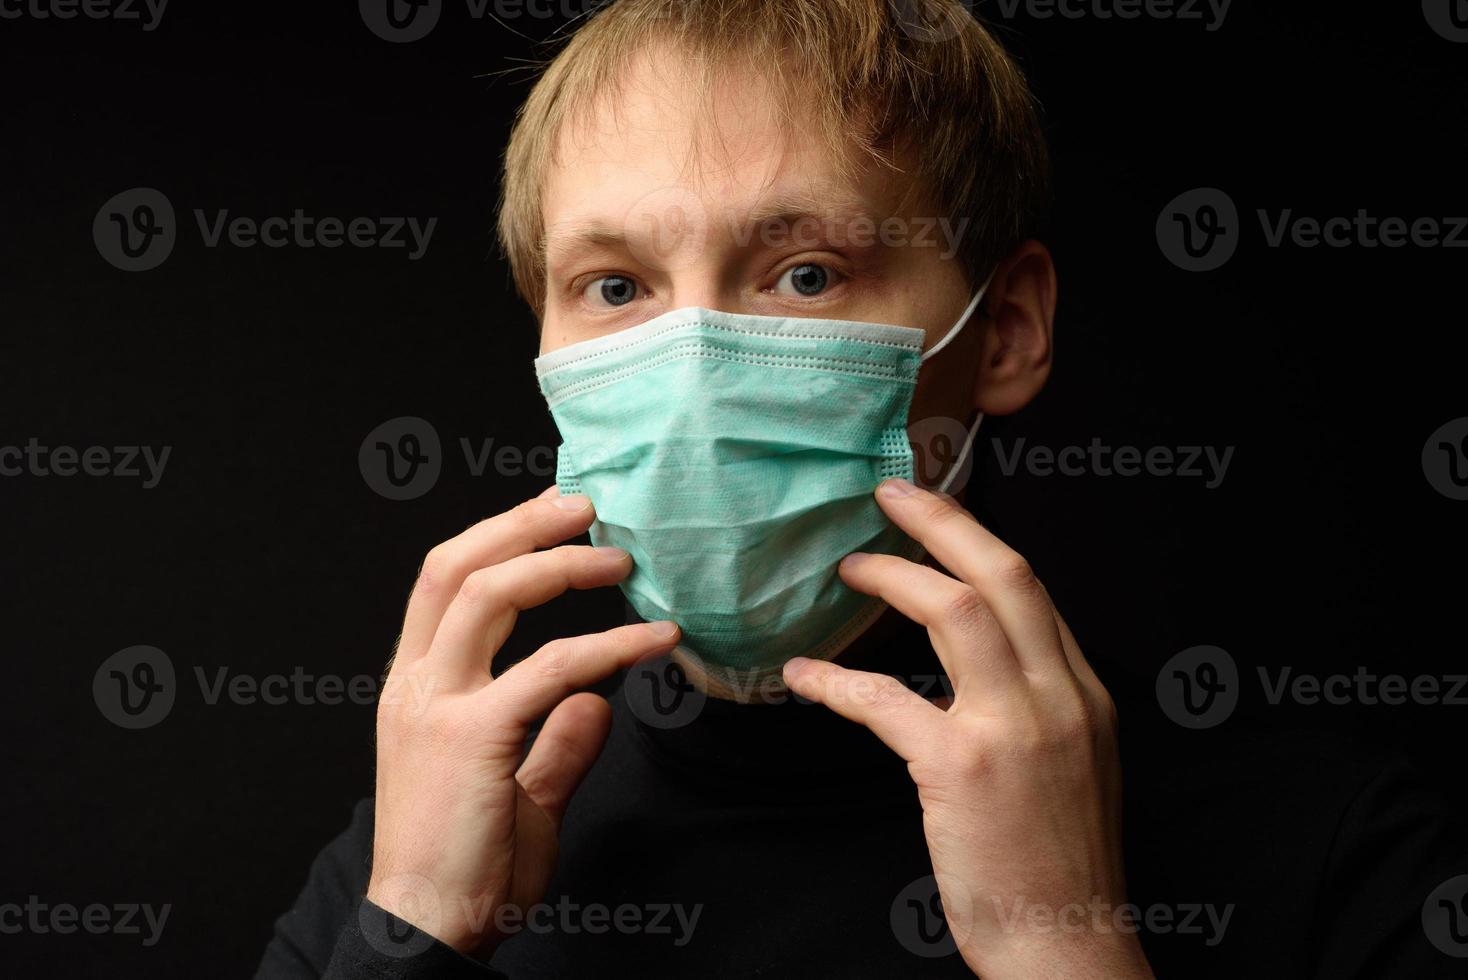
x: 973, y: 304
x: 968, y: 445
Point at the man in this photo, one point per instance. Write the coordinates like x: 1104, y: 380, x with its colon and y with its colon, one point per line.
x: 760, y: 235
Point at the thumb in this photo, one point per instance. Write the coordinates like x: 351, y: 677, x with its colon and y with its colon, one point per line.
x: 562, y: 754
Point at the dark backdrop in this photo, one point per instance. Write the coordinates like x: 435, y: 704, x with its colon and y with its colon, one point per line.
x: 265, y: 548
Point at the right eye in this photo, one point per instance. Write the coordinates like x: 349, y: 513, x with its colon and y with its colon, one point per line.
x: 608, y: 292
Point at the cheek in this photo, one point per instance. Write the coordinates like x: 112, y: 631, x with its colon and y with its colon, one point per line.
x: 553, y: 333
x: 944, y: 388
x: 934, y: 291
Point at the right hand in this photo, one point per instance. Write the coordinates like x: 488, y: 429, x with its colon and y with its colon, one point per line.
x: 466, y: 821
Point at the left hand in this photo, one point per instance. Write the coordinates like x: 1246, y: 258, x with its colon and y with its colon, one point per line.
x: 1018, y: 778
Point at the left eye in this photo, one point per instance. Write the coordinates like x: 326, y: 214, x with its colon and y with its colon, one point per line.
x: 805, y: 280
x: 610, y: 291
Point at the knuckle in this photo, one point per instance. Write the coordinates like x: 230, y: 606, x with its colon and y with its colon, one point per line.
x: 556, y: 657
x: 526, y: 512
x: 877, y: 690
x: 524, y: 521
x: 971, y: 757
x: 477, y: 585
x: 438, y: 568
x: 448, y: 731
x: 1014, y: 572
x: 1107, y: 718
x: 938, y: 510
x: 1073, y: 722
x: 964, y: 606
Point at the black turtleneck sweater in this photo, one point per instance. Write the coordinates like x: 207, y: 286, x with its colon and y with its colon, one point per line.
x: 779, y: 840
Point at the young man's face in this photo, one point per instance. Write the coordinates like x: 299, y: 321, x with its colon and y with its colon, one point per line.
x: 657, y: 205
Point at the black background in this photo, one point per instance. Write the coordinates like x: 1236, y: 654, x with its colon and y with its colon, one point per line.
x: 264, y: 550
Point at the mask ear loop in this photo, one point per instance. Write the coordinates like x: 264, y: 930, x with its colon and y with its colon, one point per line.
x: 968, y: 445
x: 963, y: 319
x: 968, y: 442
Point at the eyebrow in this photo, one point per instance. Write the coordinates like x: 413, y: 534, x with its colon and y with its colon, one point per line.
x: 575, y: 235
x: 792, y: 206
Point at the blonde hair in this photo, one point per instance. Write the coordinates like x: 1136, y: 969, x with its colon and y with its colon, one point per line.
x: 919, y: 80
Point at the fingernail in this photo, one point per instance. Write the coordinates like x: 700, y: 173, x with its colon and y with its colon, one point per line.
x: 614, y: 554
x: 663, y: 627
x: 574, y: 502
x: 854, y: 559
x: 896, y: 487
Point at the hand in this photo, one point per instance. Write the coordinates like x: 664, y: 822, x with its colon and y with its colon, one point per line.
x: 1018, y: 778
x: 466, y: 821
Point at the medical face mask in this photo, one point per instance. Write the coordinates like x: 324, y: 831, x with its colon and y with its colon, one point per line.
x: 735, y: 457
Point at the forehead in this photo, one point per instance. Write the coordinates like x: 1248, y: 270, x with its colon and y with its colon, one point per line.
x: 662, y: 138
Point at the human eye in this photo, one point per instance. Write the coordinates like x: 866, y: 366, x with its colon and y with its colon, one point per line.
x: 610, y: 292
x: 808, y: 279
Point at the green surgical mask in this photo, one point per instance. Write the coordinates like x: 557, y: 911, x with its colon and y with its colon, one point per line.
x: 735, y: 458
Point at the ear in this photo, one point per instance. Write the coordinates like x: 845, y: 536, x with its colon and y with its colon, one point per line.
x: 1019, y: 331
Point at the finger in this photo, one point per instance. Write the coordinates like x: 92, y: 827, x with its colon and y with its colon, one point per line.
x: 967, y: 638
x: 534, y: 524
x: 483, y: 613
x: 562, y: 754
x: 997, y: 572
x: 903, y: 720
x: 1079, y: 665
x: 548, y: 676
